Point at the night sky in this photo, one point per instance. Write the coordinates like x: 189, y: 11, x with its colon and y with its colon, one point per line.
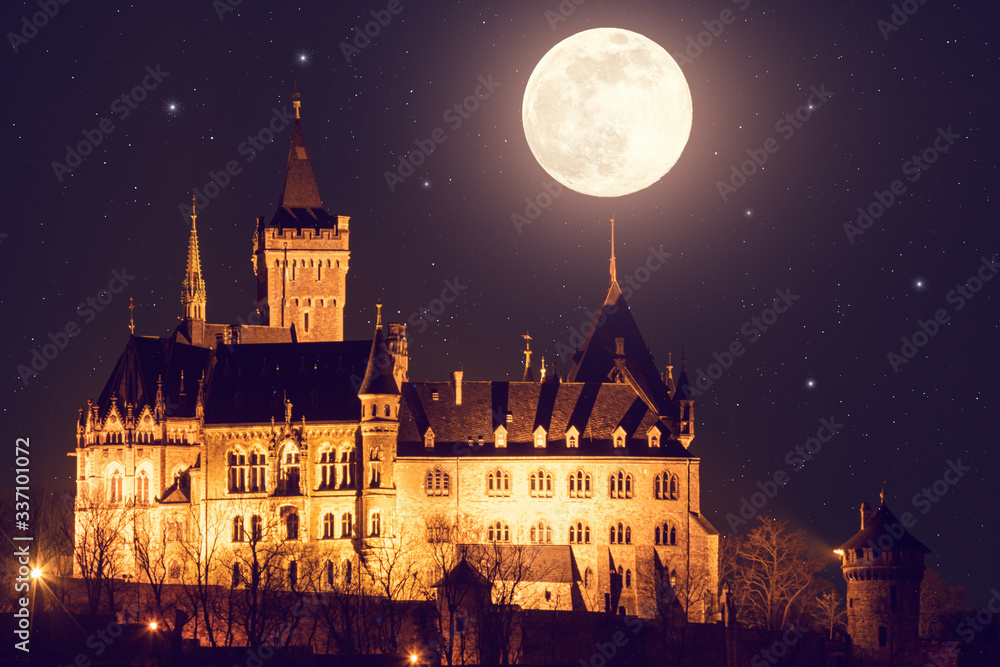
x: 213, y: 83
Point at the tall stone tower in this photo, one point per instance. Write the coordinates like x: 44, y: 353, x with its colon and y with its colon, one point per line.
x: 301, y: 255
x: 379, y: 394
x: 883, y: 566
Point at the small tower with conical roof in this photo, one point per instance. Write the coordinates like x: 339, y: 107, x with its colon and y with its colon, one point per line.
x: 683, y: 395
x: 193, y: 290
x: 379, y: 394
x: 883, y: 566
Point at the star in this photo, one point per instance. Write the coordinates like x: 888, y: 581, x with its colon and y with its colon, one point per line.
x: 172, y: 108
x: 302, y: 57
x: 810, y: 383
x: 919, y: 284
x: 748, y: 213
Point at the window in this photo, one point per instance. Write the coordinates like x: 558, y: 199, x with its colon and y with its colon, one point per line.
x: 346, y: 524
x: 666, y: 535
x: 345, y: 476
x: 541, y: 484
x: 331, y: 573
x: 258, y: 472
x: 328, y: 523
x: 326, y: 470
x: 540, y: 437
x: 347, y: 573
x: 375, y: 456
x: 620, y: 534
x: 498, y: 532
x: 429, y: 439
x: 588, y: 578
x: 289, y: 476
x: 572, y: 437
x: 580, y: 485
x: 142, y: 488
x: 438, y: 530
x: 115, y: 487
x: 501, y: 436
x: 620, y: 485
x: 174, y: 571
x: 628, y: 578
x: 305, y: 321
x: 238, y: 533
x: 237, y: 575
x: 497, y: 483
x: 388, y: 410
x: 437, y: 482
x: 293, y: 573
x: 579, y: 533
x: 292, y: 525
x: 376, y: 524
x: 541, y: 532
x: 256, y: 528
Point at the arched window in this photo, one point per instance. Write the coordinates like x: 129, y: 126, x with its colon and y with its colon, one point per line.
x: 498, y: 532
x: 540, y: 484
x: 541, y: 532
x: 331, y: 573
x: 588, y: 578
x: 256, y: 528
x: 497, y: 483
x: 346, y: 524
x: 237, y: 575
x: 628, y: 578
x: 328, y: 523
x: 579, y: 533
x: 674, y: 490
x: 116, y: 487
x: 293, y: 574
x: 376, y: 521
x: 345, y: 469
x: 580, y: 485
x: 375, y: 456
x: 621, y: 534
x: 438, y: 482
x: 174, y: 571
x: 620, y: 485
x: 628, y: 535
x: 288, y: 481
x: 238, y: 533
x: 388, y: 410
x: 347, y: 572
x: 142, y: 488
x: 666, y: 534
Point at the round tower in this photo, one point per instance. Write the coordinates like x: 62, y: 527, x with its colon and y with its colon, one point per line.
x: 379, y: 427
x: 883, y: 566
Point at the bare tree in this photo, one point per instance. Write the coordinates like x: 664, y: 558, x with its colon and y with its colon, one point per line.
x: 942, y: 607
x: 203, y: 577
x: 101, y: 548
x: 391, y: 571
x: 772, y: 575
x: 829, y: 612
x: 150, y: 548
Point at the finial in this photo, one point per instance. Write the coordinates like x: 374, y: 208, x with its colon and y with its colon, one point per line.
x: 614, y: 270
x: 296, y: 102
x: 543, y: 370
x: 527, y: 349
x: 131, y: 318
x: 378, y: 316
x: 194, y: 213
x: 881, y: 495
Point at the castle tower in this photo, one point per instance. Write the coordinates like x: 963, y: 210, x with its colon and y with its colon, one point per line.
x: 193, y: 290
x: 883, y: 566
x: 379, y: 396
x: 301, y: 255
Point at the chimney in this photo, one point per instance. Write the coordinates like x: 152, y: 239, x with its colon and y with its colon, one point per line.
x: 456, y: 379
x: 865, y: 511
x: 620, y: 347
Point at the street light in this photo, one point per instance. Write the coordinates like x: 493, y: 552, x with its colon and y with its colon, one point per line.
x: 36, y: 573
x: 152, y: 625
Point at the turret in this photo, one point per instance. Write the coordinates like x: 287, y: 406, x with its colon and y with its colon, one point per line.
x: 683, y: 396
x: 883, y: 566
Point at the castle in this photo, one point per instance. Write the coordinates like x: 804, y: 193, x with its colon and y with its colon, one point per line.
x: 283, y: 431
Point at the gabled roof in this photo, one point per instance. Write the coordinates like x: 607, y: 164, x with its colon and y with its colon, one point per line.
x: 596, y: 410
x: 596, y: 362
x: 884, y: 522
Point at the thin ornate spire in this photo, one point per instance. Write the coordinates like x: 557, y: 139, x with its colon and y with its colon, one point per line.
x: 614, y: 270
x: 193, y: 291
x: 528, y: 375
x: 378, y: 316
x: 131, y: 316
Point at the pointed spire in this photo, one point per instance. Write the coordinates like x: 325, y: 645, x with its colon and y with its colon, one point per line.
x: 614, y: 270
x: 378, y: 316
x: 528, y: 375
x: 131, y: 316
x: 671, y: 387
x: 380, y: 371
x: 299, y: 189
x: 193, y: 291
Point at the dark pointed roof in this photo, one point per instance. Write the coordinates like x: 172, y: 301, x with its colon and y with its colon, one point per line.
x: 299, y: 203
x: 596, y: 361
x: 683, y: 391
x: 884, y: 522
x: 379, y: 373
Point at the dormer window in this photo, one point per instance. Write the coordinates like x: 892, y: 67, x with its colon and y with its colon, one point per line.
x: 653, y: 436
x: 540, y: 437
x: 572, y: 437
x: 618, y: 437
x: 429, y: 439
x: 500, y: 436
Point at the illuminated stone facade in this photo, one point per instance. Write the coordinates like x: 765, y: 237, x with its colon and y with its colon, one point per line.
x: 226, y: 430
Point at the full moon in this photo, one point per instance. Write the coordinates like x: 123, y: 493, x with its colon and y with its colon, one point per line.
x: 607, y: 112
